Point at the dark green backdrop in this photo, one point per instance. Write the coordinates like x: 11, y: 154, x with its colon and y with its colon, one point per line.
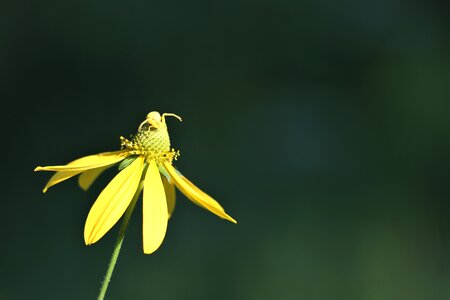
x: 323, y: 127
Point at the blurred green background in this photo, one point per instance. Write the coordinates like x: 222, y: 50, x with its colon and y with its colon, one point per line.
x: 322, y: 127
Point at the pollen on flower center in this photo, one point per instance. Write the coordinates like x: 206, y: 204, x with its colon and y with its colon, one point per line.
x: 151, y: 142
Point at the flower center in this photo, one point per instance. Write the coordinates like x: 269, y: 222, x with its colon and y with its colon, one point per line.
x: 151, y: 142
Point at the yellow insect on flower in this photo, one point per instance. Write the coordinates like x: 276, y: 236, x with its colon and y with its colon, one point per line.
x: 146, y: 163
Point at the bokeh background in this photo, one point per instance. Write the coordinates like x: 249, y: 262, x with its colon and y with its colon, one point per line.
x: 322, y: 127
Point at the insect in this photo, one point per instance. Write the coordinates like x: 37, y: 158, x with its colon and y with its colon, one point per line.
x: 156, y: 120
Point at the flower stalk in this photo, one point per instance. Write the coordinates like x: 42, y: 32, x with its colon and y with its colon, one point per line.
x: 118, y: 244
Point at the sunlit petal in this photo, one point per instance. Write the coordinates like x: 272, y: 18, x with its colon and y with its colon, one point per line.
x: 58, y: 177
x: 195, y: 188
x: 87, y: 178
x: 80, y: 165
x: 89, y: 162
x: 154, y: 210
x: 169, y: 189
x: 113, y: 201
x: 195, y: 194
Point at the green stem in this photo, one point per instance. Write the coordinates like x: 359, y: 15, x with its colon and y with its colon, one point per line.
x: 118, y: 245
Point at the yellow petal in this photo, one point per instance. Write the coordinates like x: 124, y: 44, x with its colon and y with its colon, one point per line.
x: 154, y: 210
x: 89, y: 162
x: 195, y: 194
x: 87, y: 178
x: 169, y: 189
x: 58, y: 177
x: 113, y: 201
x: 194, y: 187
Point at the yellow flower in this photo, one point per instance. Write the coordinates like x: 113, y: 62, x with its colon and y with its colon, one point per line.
x: 146, y: 162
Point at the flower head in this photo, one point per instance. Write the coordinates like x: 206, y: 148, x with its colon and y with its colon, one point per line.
x: 145, y: 163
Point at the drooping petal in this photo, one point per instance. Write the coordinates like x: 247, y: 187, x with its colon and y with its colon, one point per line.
x: 87, y: 178
x: 113, y: 201
x: 58, y: 177
x: 89, y: 162
x: 169, y: 188
x: 195, y: 194
x: 195, y: 188
x: 154, y: 210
